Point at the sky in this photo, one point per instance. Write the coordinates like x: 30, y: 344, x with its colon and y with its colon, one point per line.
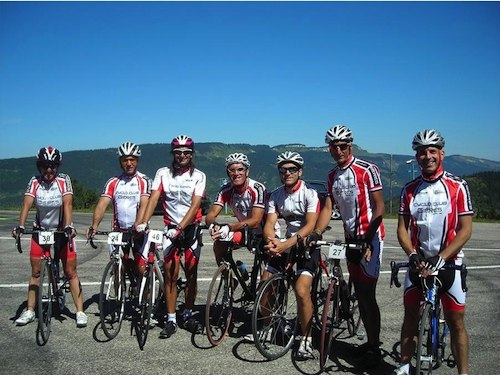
x: 91, y: 75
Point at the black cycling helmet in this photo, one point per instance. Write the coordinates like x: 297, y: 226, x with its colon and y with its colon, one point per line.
x: 49, y: 154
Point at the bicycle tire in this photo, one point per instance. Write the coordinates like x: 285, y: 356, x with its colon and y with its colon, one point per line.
x: 219, y: 306
x: 354, y: 320
x: 44, y: 304
x: 424, y: 357
x: 442, y: 336
x: 328, y: 319
x: 62, y: 286
x: 145, y: 307
x: 274, y: 320
x: 320, y: 289
x: 112, y: 299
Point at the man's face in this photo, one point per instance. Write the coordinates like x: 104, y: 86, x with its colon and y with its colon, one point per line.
x: 429, y: 159
x: 183, y: 157
x: 340, y: 151
x: 289, y: 174
x: 129, y: 165
x: 238, y: 173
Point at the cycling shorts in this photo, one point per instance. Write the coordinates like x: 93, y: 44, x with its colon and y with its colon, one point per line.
x: 451, y: 292
x: 367, y: 271
x: 191, y: 244
x: 305, y: 266
x: 61, y: 247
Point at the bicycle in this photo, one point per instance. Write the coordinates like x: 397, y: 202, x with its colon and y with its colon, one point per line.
x: 221, y: 298
x: 274, y: 315
x: 340, y: 304
x: 53, y: 286
x: 433, y: 330
x: 113, y: 290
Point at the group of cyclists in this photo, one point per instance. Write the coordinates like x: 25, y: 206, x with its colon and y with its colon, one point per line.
x: 435, y: 221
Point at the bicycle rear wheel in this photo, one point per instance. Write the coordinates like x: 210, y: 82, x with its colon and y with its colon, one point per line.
x: 112, y: 299
x: 354, y: 319
x: 146, y: 297
x: 44, y: 304
x: 425, y: 356
x: 328, y: 319
x: 219, y: 305
x: 274, y: 317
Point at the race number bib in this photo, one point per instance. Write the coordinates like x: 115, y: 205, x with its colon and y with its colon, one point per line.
x: 336, y: 251
x: 46, y: 238
x: 155, y: 236
x: 115, y: 238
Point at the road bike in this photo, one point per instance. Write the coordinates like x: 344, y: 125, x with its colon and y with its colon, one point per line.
x: 274, y: 315
x: 117, y: 283
x: 222, y: 298
x: 340, y: 304
x: 433, y: 331
x: 53, y: 285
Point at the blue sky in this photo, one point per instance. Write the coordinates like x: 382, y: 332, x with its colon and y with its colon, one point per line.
x: 90, y: 75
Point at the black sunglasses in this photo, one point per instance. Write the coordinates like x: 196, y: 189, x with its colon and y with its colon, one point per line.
x: 183, y: 153
x: 234, y: 170
x: 49, y: 165
x: 341, y: 147
x: 292, y: 170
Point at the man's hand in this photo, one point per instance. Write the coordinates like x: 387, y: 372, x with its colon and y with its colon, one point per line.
x: 173, y: 233
x: 90, y: 232
x: 140, y: 228
x: 367, y: 248
x: 313, y: 238
x: 70, y: 231
x: 18, y: 231
x: 434, y: 263
x: 416, y: 261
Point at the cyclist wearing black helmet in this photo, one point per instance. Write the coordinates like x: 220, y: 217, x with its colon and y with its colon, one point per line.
x: 52, y: 194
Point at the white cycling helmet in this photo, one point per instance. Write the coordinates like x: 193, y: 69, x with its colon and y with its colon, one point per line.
x: 180, y: 142
x: 129, y: 149
x: 427, y: 137
x: 339, y: 133
x: 237, y: 158
x: 290, y: 157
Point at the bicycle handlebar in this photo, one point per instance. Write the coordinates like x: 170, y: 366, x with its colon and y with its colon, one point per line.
x: 395, y: 266
x: 18, y: 238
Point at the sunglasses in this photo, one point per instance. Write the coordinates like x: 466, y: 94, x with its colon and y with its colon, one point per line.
x: 178, y: 153
x: 341, y: 147
x: 236, y: 170
x: 291, y: 170
x: 49, y: 165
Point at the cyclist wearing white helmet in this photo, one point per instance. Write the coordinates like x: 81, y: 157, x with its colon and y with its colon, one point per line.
x: 299, y: 206
x: 52, y: 194
x: 247, y: 199
x: 431, y: 237
x: 129, y: 193
x: 181, y: 188
x: 356, y: 187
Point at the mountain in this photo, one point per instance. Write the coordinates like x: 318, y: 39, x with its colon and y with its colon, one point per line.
x: 92, y: 168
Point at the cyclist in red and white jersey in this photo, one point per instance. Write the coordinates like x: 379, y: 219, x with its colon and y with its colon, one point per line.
x: 355, y: 186
x: 435, y: 222
x: 247, y: 199
x: 299, y: 206
x: 52, y: 194
x: 181, y: 187
x: 129, y: 193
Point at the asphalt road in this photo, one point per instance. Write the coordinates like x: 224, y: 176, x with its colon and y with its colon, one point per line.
x: 86, y: 351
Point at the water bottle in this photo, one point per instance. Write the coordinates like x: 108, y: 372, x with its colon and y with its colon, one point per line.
x: 243, y: 269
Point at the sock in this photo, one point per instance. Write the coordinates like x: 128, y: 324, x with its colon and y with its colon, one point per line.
x: 172, y: 318
x: 405, y: 367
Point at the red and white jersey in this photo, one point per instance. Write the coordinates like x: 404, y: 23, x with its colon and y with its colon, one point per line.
x: 434, y: 208
x: 242, y: 201
x: 294, y: 206
x: 177, y: 192
x: 350, y: 186
x: 126, y: 192
x: 49, y: 200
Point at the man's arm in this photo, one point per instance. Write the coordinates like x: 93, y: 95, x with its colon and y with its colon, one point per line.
x: 325, y: 215
x: 212, y: 214
x: 464, y: 233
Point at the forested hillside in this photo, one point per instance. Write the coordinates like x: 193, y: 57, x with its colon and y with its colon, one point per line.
x: 90, y: 169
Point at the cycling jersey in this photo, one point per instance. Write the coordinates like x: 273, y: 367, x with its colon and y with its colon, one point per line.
x: 294, y: 206
x: 435, y: 207
x: 242, y: 201
x: 350, y: 186
x: 49, y: 200
x: 177, y: 190
x: 126, y: 192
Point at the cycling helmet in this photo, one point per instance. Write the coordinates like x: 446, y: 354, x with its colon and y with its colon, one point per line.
x: 290, y: 157
x: 339, y: 133
x: 428, y: 137
x: 49, y: 154
x: 182, y: 141
x: 129, y: 149
x: 237, y: 158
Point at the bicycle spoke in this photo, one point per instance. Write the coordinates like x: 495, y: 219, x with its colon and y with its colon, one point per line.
x: 44, y: 304
x: 219, y: 306
x: 112, y: 299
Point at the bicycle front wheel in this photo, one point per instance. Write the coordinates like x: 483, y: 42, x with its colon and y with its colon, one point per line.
x: 424, y: 357
x: 112, y: 299
x: 354, y: 319
x: 328, y: 319
x: 44, y: 304
x: 320, y: 288
x: 219, y: 306
x: 148, y: 288
x: 274, y: 317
